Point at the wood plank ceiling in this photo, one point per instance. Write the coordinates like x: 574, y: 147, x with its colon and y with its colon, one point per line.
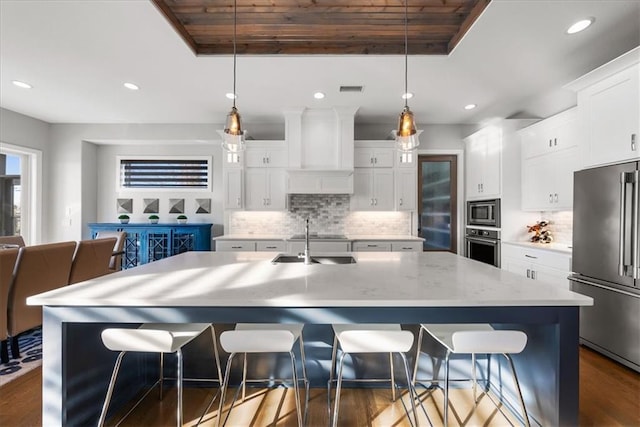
x: 350, y: 27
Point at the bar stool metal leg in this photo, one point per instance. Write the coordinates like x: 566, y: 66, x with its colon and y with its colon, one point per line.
x: 225, y: 384
x: 517, y: 384
x: 112, y: 383
x: 393, y: 380
x: 446, y: 388
x: 179, y: 410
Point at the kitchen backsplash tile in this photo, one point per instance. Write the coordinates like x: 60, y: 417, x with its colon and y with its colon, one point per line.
x: 560, y: 225
x: 328, y: 214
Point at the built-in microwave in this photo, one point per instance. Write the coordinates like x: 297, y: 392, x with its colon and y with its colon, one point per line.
x: 484, y: 212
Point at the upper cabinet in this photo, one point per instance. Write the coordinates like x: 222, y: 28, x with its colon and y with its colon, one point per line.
x: 373, y: 157
x: 550, y: 155
x: 483, y: 151
x: 609, y: 111
x: 266, y: 155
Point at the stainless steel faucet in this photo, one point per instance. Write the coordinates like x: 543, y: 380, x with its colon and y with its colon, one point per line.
x: 307, y: 254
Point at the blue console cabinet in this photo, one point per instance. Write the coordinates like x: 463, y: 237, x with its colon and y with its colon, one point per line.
x: 150, y: 242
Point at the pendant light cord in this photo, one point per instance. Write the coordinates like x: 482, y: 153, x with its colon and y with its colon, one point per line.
x: 406, y: 53
x: 235, y: 11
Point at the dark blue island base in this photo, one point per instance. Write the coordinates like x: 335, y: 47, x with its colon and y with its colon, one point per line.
x: 77, y: 367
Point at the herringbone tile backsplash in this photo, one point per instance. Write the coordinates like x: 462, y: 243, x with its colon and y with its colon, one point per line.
x: 327, y: 213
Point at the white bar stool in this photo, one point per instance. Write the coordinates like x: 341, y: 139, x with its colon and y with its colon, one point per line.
x: 155, y: 338
x: 369, y: 338
x: 473, y: 339
x: 264, y: 338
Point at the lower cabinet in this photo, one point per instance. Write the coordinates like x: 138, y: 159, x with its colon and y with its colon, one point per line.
x: 386, y: 246
x: 317, y: 246
x: 537, y: 264
x: 251, y: 246
x: 145, y: 243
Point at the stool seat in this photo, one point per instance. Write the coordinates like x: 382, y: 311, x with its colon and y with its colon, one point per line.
x: 263, y: 338
x: 369, y: 338
x: 154, y: 338
x: 458, y: 338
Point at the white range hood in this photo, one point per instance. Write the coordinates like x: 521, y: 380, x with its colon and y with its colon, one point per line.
x: 320, y: 150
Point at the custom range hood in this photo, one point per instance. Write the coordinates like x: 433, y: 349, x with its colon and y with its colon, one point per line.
x: 320, y: 150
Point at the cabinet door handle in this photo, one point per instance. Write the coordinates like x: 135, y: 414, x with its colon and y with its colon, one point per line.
x: 268, y: 160
x: 406, y: 249
x: 271, y: 247
x: 371, y: 160
x: 550, y: 198
x: 238, y: 201
x: 482, y: 187
x: 372, y: 246
x: 533, y: 274
x: 555, y: 197
x: 633, y: 142
x: 400, y: 201
x: 375, y: 202
x: 549, y: 143
x: 528, y: 273
x: 236, y: 247
x: 375, y: 160
x: 371, y: 202
x: 555, y: 141
x: 531, y: 256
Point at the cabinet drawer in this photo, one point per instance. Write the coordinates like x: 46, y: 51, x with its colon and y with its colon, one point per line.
x: 406, y: 246
x: 371, y: 247
x: 315, y: 246
x: 538, y: 256
x: 271, y: 246
x: 235, y: 245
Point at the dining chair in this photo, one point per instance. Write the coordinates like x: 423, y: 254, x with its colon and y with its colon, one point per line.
x: 12, y: 241
x: 474, y: 339
x: 115, y: 263
x: 8, y: 259
x: 38, y: 269
x: 91, y: 259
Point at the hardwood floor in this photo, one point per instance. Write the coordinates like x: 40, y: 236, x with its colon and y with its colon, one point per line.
x: 609, y: 396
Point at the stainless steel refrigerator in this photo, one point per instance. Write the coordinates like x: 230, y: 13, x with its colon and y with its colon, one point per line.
x: 606, y: 259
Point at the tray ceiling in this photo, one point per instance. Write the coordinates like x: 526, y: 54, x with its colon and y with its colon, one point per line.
x: 333, y: 27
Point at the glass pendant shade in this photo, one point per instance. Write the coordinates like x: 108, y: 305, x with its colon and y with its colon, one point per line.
x: 406, y: 135
x: 233, y: 134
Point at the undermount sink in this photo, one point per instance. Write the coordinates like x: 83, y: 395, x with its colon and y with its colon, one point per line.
x: 321, y: 259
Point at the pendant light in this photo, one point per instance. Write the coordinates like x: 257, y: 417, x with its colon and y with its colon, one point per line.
x: 406, y: 136
x: 233, y: 134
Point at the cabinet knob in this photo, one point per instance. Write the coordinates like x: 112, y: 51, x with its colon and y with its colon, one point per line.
x: 633, y: 142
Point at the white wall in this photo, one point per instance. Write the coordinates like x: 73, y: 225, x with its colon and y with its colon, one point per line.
x: 83, y: 178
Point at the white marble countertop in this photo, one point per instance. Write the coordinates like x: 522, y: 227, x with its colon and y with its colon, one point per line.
x: 249, y: 279
x: 352, y: 237
x: 555, y: 247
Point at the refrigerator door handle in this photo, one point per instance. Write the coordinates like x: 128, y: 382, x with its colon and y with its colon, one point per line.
x: 623, y: 207
x: 634, y: 227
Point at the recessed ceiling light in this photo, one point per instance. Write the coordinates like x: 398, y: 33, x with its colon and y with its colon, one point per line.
x: 580, y: 25
x: 470, y: 106
x: 318, y: 95
x: 407, y: 95
x: 22, y: 84
x: 131, y: 86
x: 231, y: 95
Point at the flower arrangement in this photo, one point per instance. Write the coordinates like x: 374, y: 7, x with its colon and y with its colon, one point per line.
x: 124, y: 219
x: 153, y: 219
x: 182, y: 219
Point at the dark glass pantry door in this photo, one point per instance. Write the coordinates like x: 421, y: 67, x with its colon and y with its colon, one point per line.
x: 437, y: 206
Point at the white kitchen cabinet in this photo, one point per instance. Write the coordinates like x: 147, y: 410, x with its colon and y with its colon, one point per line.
x: 483, y: 151
x: 371, y: 246
x: 537, y: 264
x: 271, y: 246
x: 232, y: 184
x: 550, y: 135
x: 609, y: 110
x: 406, y: 189
x: 235, y: 246
x: 372, y: 189
x: 409, y: 246
x: 266, y: 155
x: 407, y: 159
x: 316, y: 246
x: 377, y: 157
x: 265, y: 189
x: 547, y: 180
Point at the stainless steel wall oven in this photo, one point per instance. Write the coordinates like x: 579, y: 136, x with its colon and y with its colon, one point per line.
x: 483, y: 245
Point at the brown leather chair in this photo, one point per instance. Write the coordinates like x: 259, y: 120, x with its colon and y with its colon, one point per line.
x: 91, y: 259
x: 118, y: 248
x: 11, y: 241
x: 38, y: 269
x: 8, y: 259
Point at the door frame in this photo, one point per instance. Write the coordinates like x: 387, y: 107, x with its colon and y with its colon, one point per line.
x: 459, y: 185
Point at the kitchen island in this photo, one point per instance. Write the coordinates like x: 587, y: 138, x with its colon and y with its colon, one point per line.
x: 230, y: 287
